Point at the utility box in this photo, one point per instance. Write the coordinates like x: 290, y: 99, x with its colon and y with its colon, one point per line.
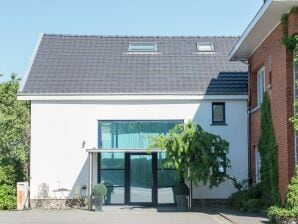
x: 22, y: 195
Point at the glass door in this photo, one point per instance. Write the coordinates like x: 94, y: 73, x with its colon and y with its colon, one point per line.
x: 141, y: 178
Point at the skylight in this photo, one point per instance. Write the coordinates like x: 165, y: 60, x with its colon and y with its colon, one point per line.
x: 205, y: 47
x: 142, y: 47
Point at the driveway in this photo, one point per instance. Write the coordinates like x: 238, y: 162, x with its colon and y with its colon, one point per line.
x: 111, y: 215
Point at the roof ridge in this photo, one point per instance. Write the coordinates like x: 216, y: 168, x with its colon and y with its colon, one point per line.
x: 142, y: 36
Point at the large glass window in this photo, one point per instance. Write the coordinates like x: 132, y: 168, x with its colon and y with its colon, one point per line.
x: 120, y: 170
x: 131, y: 134
x: 112, y: 174
x: 167, y: 179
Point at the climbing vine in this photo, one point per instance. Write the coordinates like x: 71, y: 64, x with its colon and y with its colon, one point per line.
x: 289, y: 41
x: 268, y: 153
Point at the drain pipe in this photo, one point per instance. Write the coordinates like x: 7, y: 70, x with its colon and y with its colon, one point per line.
x: 248, y: 126
x: 90, y: 176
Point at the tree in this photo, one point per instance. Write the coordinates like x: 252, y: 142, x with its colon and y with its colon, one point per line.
x: 189, y: 148
x: 14, y: 141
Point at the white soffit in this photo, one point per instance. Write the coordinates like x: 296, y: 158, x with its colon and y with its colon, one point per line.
x: 266, y: 20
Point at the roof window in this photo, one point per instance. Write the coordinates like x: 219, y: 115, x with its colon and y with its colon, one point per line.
x: 205, y: 47
x: 142, y: 47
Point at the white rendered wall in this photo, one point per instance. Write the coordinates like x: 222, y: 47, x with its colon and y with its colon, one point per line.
x: 58, y: 129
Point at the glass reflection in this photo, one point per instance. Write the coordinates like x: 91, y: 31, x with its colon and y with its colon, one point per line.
x: 115, y: 195
x: 111, y: 160
x: 166, y: 195
x: 140, y: 178
x: 112, y: 177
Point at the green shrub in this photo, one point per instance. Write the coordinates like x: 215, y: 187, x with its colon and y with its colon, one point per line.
x: 99, y: 190
x: 238, y: 199
x: 254, y: 205
x: 292, y: 193
x: 248, y: 200
x: 290, y: 211
x: 275, y: 212
x: 7, y: 197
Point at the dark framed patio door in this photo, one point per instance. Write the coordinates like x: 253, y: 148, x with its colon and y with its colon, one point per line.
x: 141, y: 178
x: 136, y: 178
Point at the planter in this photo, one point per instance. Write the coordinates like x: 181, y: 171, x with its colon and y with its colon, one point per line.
x: 182, y: 193
x: 98, y: 202
x: 182, y: 202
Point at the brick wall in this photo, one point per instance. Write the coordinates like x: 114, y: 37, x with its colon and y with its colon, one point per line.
x: 293, y: 24
x: 281, y: 95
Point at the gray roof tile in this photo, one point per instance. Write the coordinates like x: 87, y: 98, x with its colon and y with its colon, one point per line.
x: 101, y: 65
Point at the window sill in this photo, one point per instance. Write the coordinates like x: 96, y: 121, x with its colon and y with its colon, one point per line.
x: 255, y: 109
x: 219, y: 124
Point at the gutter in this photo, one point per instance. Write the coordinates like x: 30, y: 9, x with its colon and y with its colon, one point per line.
x: 248, y: 29
x: 130, y: 97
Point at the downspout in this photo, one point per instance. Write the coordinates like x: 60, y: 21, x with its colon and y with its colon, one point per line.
x: 248, y: 122
x: 248, y: 126
x: 90, y: 177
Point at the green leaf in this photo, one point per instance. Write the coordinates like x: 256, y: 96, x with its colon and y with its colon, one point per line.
x: 189, y: 148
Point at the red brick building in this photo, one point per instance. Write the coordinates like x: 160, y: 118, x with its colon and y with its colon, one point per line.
x: 271, y: 69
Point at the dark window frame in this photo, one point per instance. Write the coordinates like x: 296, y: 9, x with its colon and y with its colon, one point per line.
x: 223, y: 122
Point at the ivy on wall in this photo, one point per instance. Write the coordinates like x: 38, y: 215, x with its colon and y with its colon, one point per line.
x: 269, y: 158
x: 289, y: 41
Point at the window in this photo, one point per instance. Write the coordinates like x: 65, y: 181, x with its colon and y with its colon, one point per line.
x: 218, y: 113
x: 131, y: 134
x: 205, y: 47
x: 142, y: 47
x: 112, y: 174
x: 167, y: 180
x: 260, y: 86
x: 258, y: 164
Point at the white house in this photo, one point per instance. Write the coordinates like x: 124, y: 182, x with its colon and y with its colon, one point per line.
x: 110, y: 93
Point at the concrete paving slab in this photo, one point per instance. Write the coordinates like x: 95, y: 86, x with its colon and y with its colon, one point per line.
x: 110, y: 215
x: 238, y: 217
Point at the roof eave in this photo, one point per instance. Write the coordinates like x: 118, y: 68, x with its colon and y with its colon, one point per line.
x: 115, y: 97
x: 31, y: 61
x: 265, y: 21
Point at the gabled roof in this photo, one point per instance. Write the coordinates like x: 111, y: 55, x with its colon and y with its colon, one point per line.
x: 98, y: 65
x: 267, y: 18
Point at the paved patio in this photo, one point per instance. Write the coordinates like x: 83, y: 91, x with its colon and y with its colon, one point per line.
x: 242, y: 217
x: 112, y: 215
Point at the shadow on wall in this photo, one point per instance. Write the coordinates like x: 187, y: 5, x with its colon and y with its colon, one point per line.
x: 80, y: 185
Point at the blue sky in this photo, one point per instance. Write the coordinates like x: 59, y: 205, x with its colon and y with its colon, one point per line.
x: 21, y: 21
